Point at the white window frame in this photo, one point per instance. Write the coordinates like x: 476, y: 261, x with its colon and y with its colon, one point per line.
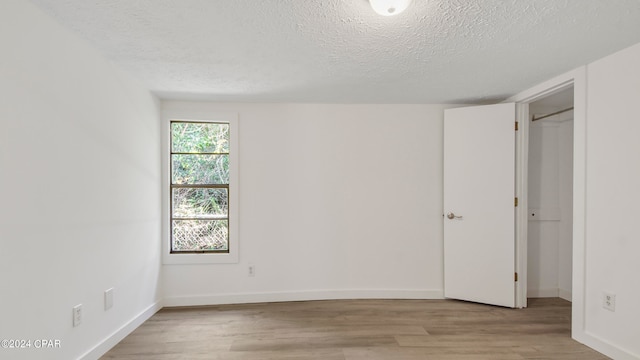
x: 230, y: 257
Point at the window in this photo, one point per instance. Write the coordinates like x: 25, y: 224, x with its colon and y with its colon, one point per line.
x: 199, y: 187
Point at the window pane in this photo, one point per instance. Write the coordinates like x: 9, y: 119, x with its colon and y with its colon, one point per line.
x: 190, y: 202
x: 199, y: 137
x: 199, y: 235
x: 200, y: 169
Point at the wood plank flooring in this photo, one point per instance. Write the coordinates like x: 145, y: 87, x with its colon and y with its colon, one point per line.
x: 358, y: 330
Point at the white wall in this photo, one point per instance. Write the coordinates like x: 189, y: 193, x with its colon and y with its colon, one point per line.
x: 542, y: 243
x: 79, y: 190
x: 612, y: 198
x: 550, y: 207
x: 336, y: 201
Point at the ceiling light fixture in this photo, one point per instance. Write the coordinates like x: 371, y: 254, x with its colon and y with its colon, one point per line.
x: 389, y: 7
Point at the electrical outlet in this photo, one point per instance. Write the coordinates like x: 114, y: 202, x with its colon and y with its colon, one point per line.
x: 108, y: 299
x: 252, y: 270
x: 609, y: 301
x: 77, y: 315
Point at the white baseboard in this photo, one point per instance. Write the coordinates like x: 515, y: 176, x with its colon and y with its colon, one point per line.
x: 603, y: 346
x: 542, y: 293
x: 547, y: 293
x: 105, y: 345
x: 565, y: 294
x: 246, y: 298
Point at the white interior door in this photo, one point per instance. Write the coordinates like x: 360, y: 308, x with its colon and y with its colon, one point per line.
x: 479, y: 188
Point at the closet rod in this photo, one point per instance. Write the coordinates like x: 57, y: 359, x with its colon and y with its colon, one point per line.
x: 534, y: 118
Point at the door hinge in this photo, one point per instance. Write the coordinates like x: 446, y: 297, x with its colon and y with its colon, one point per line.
x: 516, y: 201
x: 516, y: 126
x: 516, y: 276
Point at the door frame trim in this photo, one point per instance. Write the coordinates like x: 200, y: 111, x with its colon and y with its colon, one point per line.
x: 577, y: 78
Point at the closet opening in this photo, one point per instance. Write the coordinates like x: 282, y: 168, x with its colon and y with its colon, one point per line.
x: 550, y: 196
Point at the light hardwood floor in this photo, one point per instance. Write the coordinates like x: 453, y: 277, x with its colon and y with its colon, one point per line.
x: 358, y: 330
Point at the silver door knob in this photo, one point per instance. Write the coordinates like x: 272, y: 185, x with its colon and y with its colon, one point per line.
x: 452, y: 216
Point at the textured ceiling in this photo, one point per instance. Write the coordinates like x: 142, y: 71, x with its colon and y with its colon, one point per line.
x: 340, y: 51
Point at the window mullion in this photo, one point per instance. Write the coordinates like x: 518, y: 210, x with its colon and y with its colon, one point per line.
x: 200, y: 186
